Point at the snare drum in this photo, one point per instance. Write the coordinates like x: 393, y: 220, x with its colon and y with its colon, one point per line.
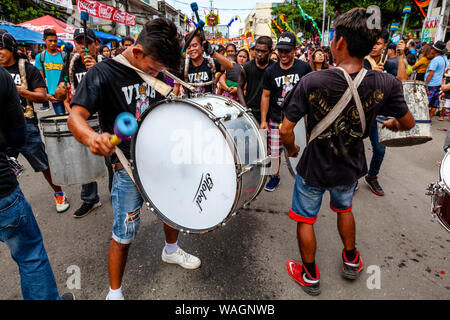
x: 71, y: 162
x: 440, y: 194
x: 416, y: 98
x: 198, y: 161
x: 300, y: 140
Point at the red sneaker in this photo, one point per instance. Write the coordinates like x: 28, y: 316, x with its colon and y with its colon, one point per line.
x: 299, y: 273
x: 352, y: 269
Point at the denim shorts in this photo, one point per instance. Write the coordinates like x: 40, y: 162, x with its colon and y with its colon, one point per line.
x: 127, y: 202
x: 33, y: 150
x: 306, y: 200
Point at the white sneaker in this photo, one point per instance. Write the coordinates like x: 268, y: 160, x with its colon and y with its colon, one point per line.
x: 182, y: 258
x: 62, y: 204
x: 107, y: 297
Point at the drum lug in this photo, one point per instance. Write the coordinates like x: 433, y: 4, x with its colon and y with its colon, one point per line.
x: 227, y: 117
x: 246, y: 169
x: 208, y: 106
x: 229, y: 102
x: 260, y: 163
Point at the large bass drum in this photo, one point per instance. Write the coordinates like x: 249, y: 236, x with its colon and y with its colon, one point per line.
x: 440, y: 194
x: 198, y: 161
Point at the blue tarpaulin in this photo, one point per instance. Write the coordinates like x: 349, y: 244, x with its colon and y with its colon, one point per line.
x: 24, y: 35
x: 106, y: 37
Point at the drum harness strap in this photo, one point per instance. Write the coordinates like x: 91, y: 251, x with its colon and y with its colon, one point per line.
x: 211, y: 65
x: 71, y: 74
x: 161, y: 87
x: 342, y: 104
x: 28, y: 111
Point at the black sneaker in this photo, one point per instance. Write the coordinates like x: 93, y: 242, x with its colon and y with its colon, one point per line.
x: 86, y: 208
x: 352, y: 269
x: 374, y: 185
x: 68, y: 296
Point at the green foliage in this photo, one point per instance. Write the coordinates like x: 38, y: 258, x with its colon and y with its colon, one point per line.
x: 18, y: 11
x: 391, y: 11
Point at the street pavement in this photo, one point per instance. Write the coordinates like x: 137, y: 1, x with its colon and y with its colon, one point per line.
x: 406, y: 252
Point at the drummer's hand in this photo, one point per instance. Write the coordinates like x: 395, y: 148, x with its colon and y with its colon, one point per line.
x: 264, y: 126
x: 293, y: 152
x: 392, y: 124
x: 379, y: 67
x: 100, y: 145
x: 89, y: 62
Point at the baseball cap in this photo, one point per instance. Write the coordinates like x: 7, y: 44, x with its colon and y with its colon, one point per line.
x: 80, y: 33
x: 392, y: 46
x: 286, y: 41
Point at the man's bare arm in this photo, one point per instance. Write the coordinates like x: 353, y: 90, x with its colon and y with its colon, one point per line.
x: 241, y: 86
x: 99, y: 144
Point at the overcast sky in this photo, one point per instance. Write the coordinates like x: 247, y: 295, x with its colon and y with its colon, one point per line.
x: 227, y: 10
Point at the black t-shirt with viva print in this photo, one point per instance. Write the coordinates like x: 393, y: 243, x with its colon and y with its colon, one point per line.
x: 79, y: 71
x: 336, y: 157
x: 202, y: 74
x: 111, y: 88
x: 280, y: 82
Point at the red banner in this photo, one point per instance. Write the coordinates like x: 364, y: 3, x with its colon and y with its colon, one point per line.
x: 107, y: 12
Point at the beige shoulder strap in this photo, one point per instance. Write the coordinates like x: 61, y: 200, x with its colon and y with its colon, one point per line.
x: 23, y: 73
x: 342, y: 104
x: 372, y: 62
x: 71, y: 72
x: 161, y: 87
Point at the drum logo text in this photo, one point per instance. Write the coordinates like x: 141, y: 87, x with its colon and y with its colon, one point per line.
x: 206, y: 185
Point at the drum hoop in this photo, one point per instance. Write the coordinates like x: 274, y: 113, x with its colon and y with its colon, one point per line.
x: 50, y: 119
x: 145, y: 196
x: 443, y: 184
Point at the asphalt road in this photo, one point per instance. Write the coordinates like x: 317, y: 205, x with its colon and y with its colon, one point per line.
x: 406, y: 252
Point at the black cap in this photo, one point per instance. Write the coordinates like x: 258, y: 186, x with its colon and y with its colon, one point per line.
x: 80, y: 33
x: 7, y: 41
x: 440, y: 47
x: 286, y: 41
x: 392, y: 46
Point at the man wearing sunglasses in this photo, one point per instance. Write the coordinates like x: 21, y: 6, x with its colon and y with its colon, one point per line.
x: 252, y: 74
x: 279, y: 79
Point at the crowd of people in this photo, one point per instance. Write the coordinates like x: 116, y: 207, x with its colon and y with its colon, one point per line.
x: 280, y: 84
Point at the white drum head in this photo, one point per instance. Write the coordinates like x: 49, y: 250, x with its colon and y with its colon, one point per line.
x: 185, y: 167
x: 300, y: 140
x: 445, y: 171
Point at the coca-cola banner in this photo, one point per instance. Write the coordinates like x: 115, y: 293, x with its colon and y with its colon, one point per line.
x: 107, y: 12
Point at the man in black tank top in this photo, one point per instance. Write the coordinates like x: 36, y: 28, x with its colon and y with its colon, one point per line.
x: 252, y: 75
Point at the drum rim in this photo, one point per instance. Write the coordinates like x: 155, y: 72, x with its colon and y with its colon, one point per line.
x: 254, y: 123
x: 50, y: 119
x: 144, y: 194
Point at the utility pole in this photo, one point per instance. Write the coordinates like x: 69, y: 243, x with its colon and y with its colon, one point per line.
x: 323, y: 19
